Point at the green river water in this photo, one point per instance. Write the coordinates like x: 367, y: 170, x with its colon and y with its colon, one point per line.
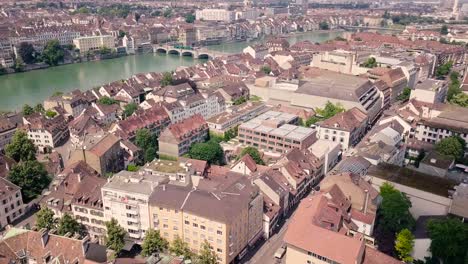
x: 34, y: 86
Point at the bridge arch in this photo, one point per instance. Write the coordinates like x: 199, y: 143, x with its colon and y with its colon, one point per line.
x: 161, y: 50
x: 187, y: 53
x: 174, y: 52
x: 203, y: 56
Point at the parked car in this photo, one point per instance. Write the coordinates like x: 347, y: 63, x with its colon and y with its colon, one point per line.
x: 280, y: 252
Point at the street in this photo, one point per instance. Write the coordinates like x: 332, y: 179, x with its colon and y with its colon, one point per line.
x: 265, y: 254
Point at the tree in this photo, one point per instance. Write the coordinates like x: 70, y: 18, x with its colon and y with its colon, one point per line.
x: 129, y: 109
x: 443, y: 70
x: 254, y: 153
x: 31, y: 177
x: 405, y: 95
x: 449, y: 240
x: 329, y: 110
x: 21, y: 148
x: 394, y: 210
x: 107, y: 100
x: 67, y: 224
x: 39, y: 108
x: 324, y: 25
x: 167, y: 13
x: 50, y: 113
x: 53, y: 53
x: 132, y: 167
x: 460, y: 99
x: 444, y: 30
x: 210, y: 151
x: 239, y: 100
x: 45, y: 219
x: 166, y: 79
x: 190, y: 18
x: 19, y: 65
x: 115, y: 239
x: 26, y: 52
x: 27, y: 110
x: 148, y: 142
x: 179, y: 247
x: 266, y: 69
x: 453, y: 147
x: 153, y: 243
x: 404, y: 245
x: 207, y: 255
x: 371, y: 62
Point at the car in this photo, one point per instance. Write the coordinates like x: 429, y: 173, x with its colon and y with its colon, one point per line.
x: 280, y: 252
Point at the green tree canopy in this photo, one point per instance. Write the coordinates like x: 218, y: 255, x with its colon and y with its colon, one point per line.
x: 444, y: 30
x: 27, y: 110
x: 21, y: 148
x: 153, y: 243
x: 266, y: 69
x: 210, y: 151
x: 405, y: 95
x: 207, y: 255
x: 166, y: 79
x: 371, y: 62
x: 50, y: 113
x: 443, y: 70
x: 190, y: 18
x: 449, y: 240
x: 148, y: 142
x: 27, y: 52
x: 460, y: 99
x: 129, y: 109
x: 404, y: 245
x: 324, y: 25
x: 179, y: 247
x: 107, y: 100
x: 45, y: 219
x: 39, y: 108
x: 53, y: 53
x: 254, y: 153
x: 394, y: 210
x: 31, y: 177
x: 67, y: 224
x: 453, y: 147
x: 115, y: 239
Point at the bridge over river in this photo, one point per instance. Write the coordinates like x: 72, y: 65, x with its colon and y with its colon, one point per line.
x: 198, y: 53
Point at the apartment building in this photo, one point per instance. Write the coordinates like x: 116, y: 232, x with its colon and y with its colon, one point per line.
x: 339, y: 61
x: 235, y: 116
x: 395, y: 80
x: 155, y: 119
x: 319, y: 226
x: 215, y: 15
x: 11, y: 203
x: 77, y: 191
x: 127, y: 194
x: 228, y: 215
x: 7, y: 130
x: 177, y: 138
x: 92, y: 43
x: 276, y: 132
x: 101, y: 151
x: 39, y: 36
x: 348, y: 128
x: 46, y: 132
x: 6, y: 51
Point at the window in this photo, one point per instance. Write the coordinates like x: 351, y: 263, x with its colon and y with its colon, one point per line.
x: 187, y: 222
x: 195, y: 225
x: 202, y: 227
x: 219, y: 232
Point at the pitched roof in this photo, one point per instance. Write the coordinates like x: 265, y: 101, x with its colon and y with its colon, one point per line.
x: 348, y: 120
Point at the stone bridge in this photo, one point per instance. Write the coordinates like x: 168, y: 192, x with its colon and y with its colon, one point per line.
x: 197, y: 53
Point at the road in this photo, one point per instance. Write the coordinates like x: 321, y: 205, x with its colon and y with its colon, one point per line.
x: 265, y: 254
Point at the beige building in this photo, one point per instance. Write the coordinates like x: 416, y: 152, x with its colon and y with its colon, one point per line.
x: 215, y: 15
x: 11, y: 203
x: 73, y: 103
x: 46, y: 132
x: 7, y: 130
x: 176, y: 139
x: 101, y: 151
x: 228, y: 216
x: 92, y: 43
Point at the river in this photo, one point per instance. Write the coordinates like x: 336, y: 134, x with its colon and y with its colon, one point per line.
x: 35, y: 86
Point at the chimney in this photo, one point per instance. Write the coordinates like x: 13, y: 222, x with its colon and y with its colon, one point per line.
x: 44, y: 237
x: 366, y: 201
x: 79, y: 177
x: 164, y: 187
x: 85, y: 244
